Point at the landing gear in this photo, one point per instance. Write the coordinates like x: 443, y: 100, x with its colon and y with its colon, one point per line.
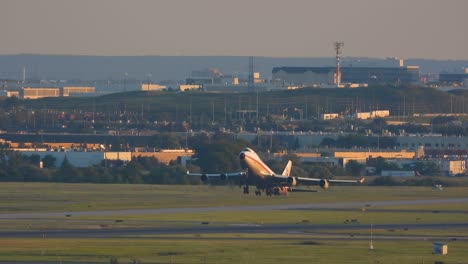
x: 258, y: 192
x: 276, y: 191
x: 246, y: 189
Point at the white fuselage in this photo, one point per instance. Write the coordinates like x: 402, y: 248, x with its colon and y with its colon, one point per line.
x: 256, y: 168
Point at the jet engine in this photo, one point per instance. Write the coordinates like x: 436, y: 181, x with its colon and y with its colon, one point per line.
x: 223, y: 177
x: 324, y: 184
x: 292, y: 181
x: 242, y: 156
x: 204, y: 178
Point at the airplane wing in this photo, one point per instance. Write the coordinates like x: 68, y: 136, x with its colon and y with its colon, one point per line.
x: 206, y: 177
x: 301, y: 190
x: 324, y: 183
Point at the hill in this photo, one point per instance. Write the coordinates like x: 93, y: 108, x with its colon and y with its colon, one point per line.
x: 310, y: 102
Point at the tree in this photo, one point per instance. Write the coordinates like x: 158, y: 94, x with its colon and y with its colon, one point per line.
x: 164, y: 141
x: 67, y: 172
x: 219, y: 154
x: 48, y: 161
x: 354, y: 168
x: 381, y: 164
x: 328, y: 142
x: 34, y: 159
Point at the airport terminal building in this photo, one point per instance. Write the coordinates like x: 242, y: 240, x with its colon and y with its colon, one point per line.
x: 324, y: 75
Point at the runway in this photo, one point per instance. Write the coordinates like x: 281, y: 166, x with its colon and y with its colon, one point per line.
x: 223, y: 228
x: 286, y: 229
x: 309, y: 206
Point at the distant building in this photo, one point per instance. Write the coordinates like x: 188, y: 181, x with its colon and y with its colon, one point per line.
x: 35, y: 93
x: 375, y: 154
x: 302, y: 75
x: 397, y: 173
x: 439, y: 248
x: 187, y: 87
x: 13, y: 94
x: 452, y: 167
x: 372, y: 114
x: 362, y: 115
x: 199, y: 80
x: 380, y: 113
x: 77, y: 90
x: 152, y: 87
x: 330, y: 116
x: 168, y: 155
x: 454, y: 78
x: 324, y: 75
x: 80, y: 158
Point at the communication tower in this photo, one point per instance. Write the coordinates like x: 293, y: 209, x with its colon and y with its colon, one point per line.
x: 339, y: 50
x: 251, y: 75
x: 24, y: 74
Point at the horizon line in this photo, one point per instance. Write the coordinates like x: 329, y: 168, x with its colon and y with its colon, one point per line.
x: 246, y: 56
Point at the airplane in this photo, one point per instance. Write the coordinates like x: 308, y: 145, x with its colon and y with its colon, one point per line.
x: 257, y: 173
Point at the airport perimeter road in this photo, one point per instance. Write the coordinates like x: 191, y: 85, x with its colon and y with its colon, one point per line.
x: 311, y: 206
x: 304, y: 229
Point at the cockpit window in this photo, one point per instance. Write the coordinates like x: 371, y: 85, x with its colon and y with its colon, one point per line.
x: 247, y: 149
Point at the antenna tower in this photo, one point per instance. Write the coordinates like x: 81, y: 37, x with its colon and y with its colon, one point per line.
x: 339, y: 50
x: 24, y: 74
x: 251, y: 75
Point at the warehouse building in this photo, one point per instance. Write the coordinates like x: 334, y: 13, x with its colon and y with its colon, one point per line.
x: 454, y: 78
x: 152, y: 87
x: 36, y: 93
x: 78, y: 90
x: 324, y: 75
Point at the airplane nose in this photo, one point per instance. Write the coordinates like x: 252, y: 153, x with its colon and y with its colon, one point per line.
x: 242, y: 156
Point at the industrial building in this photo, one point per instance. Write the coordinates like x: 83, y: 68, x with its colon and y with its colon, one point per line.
x: 36, y: 93
x: 350, y: 76
x: 152, y: 87
x: 91, y: 158
x: 330, y: 116
x: 42, y: 92
x: 79, y: 158
x: 78, y: 90
x: 454, y: 78
x: 371, y: 114
x: 325, y: 75
x: 188, y: 87
x: 213, y: 80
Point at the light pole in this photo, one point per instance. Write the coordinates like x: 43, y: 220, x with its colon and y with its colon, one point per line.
x: 125, y: 81
x: 149, y: 79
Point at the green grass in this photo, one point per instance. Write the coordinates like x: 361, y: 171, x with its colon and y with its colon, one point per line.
x: 316, y: 246
x: 230, y: 248
x: 298, y: 216
x: 49, y: 197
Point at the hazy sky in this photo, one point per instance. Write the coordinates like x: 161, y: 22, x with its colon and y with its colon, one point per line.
x: 434, y: 29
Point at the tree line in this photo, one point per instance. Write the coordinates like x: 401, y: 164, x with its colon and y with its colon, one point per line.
x: 217, y: 153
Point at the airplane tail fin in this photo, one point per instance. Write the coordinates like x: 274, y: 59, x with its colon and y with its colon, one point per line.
x: 287, y: 169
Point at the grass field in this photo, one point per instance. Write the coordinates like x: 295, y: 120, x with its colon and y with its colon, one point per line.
x: 49, y: 197
x: 320, y: 246
x: 230, y: 248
